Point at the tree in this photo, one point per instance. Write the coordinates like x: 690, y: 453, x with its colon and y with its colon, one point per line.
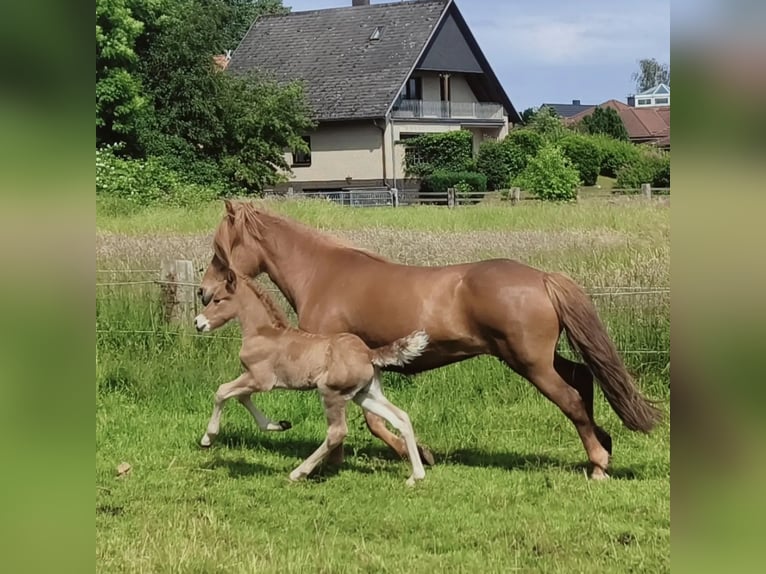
x: 650, y: 73
x: 119, y: 97
x: 528, y: 114
x: 605, y: 120
x: 548, y: 124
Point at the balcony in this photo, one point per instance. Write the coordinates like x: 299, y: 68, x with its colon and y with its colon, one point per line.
x: 448, y: 110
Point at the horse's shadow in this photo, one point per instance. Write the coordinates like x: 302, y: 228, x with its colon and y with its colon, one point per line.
x: 299, y: 448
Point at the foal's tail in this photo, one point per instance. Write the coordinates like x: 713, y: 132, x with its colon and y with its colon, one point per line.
x: 587, y: 335
x: 401, y: 351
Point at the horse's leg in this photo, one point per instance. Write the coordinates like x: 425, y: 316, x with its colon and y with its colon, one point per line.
x: 335, y: 411
x: 542, y: 373
x: 239, y: 386
x: 373, y: 400
x: 579, y: 377
x: 264, y: 422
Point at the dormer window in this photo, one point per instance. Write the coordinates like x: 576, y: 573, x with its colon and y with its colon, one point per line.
x: 376, y: 33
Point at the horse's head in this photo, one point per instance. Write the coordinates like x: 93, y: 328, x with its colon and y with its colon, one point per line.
x: 236, y: 244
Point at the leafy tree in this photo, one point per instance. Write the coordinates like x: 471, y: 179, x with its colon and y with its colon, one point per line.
x: 650, y: 73
x: 528, y: 114
x: 548, y: 124
x: 119, y: 97
x: 493, y: 162
x: 550, y: 175
x: 605, y: 120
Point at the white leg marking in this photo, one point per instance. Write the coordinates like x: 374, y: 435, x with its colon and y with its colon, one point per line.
x: 373, y: 400
x: 264, y: 422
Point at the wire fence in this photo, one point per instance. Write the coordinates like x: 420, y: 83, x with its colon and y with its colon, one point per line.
x: 649, y: 307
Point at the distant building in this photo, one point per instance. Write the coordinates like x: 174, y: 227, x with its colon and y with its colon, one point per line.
x: 659, y: 95
x: 569, y: 110
x: 644, y: 124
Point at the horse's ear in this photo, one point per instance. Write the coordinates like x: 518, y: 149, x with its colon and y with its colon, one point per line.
x: 229, y: 207
x: 231, y: 281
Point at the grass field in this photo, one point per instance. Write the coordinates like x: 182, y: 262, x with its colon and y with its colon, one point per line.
x: 508, y: 492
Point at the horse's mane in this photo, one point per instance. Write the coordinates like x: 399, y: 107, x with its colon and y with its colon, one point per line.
x: 274, y: 311
x: 256, y: 221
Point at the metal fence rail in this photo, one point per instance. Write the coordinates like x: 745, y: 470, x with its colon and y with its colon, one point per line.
x: 377, y: 197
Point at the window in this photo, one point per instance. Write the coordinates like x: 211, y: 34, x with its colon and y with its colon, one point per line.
x: 301, y: 158
x: 661, y: 101
x: 411, y: 157
x: 376, y: 33
x: 414, y: 89
x: 645, y: 102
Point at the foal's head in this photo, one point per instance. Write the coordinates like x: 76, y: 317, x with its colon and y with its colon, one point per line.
x: 225, y: 304
x: 236, y: 244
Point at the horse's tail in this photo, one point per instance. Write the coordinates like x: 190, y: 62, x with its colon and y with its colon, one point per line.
x: 401, y: 351
x: 587, y: 335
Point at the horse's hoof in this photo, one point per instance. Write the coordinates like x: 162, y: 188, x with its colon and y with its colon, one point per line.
x: 599, y: 474
x: 426, y: 456
x: 205, y: 442
x: 296, y: 476
x: 285, y: 425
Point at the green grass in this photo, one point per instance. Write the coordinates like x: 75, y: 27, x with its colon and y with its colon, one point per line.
x: 508, y: 491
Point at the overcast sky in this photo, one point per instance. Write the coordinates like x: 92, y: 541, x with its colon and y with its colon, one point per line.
x: 554, y: 51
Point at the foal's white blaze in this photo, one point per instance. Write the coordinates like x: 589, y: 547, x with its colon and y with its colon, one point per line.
x: 201, y: 323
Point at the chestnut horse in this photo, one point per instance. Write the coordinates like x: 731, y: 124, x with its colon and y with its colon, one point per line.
x: 499, y: 307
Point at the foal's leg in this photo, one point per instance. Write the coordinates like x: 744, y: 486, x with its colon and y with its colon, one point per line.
x: 377, y: 426
x: 372, y: 399
x: 239, y: 386
x: 335, y: 410
x: 264, y: 422
x: 579, y: 377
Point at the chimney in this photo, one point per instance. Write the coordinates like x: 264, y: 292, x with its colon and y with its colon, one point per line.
x: 360, y: 2
x: 576, y: 102
x: 632, y: 101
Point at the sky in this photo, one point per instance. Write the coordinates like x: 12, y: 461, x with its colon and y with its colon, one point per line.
x: 556, y: 51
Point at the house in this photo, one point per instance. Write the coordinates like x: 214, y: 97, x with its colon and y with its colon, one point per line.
x: 568, y: 110
x: 659, y: 95
x: 644, y: 124
x: 375, y: 75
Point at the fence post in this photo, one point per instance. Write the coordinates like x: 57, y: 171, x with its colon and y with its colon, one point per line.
x: 177, y: 289
x: 451, y: 200
x: 646, y: 190
x: 515, y: 195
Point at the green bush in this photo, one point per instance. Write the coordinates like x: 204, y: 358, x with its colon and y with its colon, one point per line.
x: 519, y: 146
x: 145, y: 182
x: 493, y: 162
x: 652, y: 166
x: 550, y: 175
x: 441, y: 180
x: 615, y: 154
x: 444, y: 151
x: 585, y: 155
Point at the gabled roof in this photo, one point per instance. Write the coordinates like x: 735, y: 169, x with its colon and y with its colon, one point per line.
x: 347, y: 73
x: 642, y: 124
x: 658, y: 90
x: 568, y: 110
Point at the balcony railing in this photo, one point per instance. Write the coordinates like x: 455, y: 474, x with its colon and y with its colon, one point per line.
x: 448, y: 110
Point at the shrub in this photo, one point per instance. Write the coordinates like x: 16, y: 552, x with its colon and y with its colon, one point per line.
x: 145, y: 182
x: 615, y: 154
x: 519, y: 146
x: 605, y: 121
x: 493, y: 162
x: 550, y: 175
x: 447, y: 151
x: 585, y: 155
x: 652, y: 166
x: 464, y: 181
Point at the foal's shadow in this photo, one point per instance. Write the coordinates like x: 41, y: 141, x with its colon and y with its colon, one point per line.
x: 290, y: 446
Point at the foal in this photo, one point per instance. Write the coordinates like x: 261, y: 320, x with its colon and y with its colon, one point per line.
x: 275, y: 355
